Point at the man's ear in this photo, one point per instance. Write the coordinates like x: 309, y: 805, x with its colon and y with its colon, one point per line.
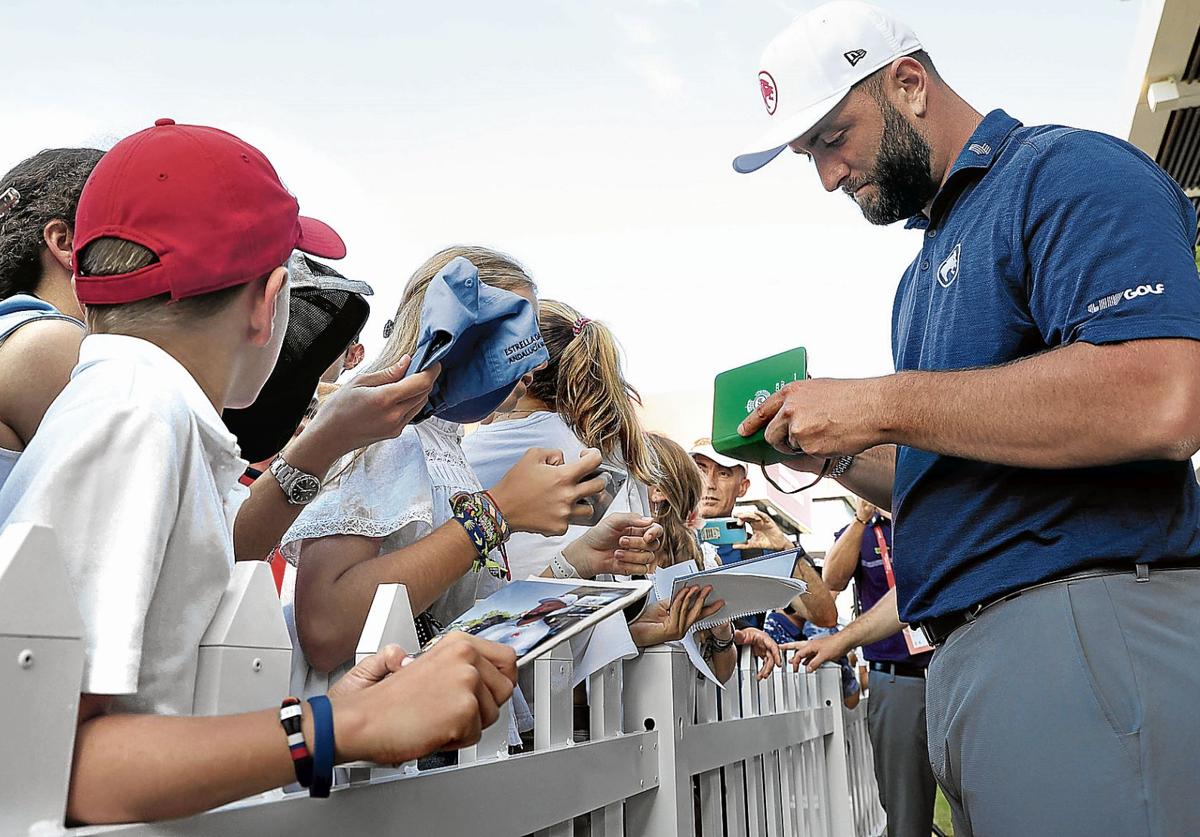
x: 58, y: 238
x: 743, y: 488
x: 268, y: 306
x: 354, y: 356
x: 908, y: 81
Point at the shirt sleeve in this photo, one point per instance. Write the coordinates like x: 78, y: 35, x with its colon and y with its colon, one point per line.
x: 374, y: 493
x: 1110, y: 242
x: 113, y: 525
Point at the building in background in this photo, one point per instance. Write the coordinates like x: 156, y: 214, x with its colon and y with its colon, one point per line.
x: 1165, y: 90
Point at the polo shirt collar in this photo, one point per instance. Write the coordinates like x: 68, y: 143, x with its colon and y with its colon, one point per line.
x: 97, y: 348
x: 976, y: 157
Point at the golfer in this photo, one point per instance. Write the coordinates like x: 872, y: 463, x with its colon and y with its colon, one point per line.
x: 1033, y: 444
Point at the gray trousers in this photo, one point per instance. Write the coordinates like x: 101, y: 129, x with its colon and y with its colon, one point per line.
x: 1073, y: 709
x: 896, y: 726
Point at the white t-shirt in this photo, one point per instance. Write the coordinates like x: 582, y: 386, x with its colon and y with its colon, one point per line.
x: 136, y: 474
x: 494, y: 448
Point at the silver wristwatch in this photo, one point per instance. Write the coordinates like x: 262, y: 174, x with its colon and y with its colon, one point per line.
x: 299, y: 488
x: 840, y: 466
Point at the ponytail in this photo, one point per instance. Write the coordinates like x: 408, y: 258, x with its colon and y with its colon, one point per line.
x: 585, y: 385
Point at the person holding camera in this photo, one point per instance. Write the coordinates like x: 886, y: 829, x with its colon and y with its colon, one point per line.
x: 725, y: 482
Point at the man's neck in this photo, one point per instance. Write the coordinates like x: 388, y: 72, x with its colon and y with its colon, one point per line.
x: 958, y: 122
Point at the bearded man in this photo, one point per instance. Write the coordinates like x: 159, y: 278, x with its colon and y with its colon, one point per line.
x: 1034, y: 442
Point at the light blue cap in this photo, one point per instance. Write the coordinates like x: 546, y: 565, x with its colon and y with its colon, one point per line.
x: 485, y: 338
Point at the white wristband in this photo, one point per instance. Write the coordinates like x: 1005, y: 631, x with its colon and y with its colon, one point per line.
x: 562, y: 568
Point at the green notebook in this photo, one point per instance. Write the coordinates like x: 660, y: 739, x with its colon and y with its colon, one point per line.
x: 738, y: 392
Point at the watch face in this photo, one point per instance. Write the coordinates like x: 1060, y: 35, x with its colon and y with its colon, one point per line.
x: 304, y: 489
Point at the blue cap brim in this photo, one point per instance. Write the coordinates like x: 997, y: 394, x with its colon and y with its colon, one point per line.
x: 746, y: 163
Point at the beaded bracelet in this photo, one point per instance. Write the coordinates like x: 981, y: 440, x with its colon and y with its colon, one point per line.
x: 480, y: 516
x: 290, y: 717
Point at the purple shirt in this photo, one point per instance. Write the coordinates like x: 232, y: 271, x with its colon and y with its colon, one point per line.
x: 871, y: 585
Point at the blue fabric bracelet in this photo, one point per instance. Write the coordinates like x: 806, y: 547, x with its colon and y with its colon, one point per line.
x: 323, y: 749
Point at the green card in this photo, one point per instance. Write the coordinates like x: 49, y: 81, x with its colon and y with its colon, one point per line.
x: 738, y: 392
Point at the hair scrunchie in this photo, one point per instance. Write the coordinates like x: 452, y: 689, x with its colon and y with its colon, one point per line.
x: 578, y: 325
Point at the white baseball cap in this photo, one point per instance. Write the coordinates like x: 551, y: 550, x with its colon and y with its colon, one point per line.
x: 703, y: 447
x: 811, y: 66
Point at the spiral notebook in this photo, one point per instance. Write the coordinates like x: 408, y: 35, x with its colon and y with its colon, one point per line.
x: 753, y: 586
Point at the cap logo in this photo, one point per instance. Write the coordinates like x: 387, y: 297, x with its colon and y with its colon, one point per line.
x: 854, y: 56
x: 766, y: 86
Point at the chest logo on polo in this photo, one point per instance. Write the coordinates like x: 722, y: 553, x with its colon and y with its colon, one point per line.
x: 947, y: 271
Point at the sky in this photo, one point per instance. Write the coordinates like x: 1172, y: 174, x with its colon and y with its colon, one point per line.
x: 590, y: 140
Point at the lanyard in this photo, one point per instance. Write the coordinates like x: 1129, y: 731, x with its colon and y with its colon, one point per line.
x: 885, y: 554
x: 914, y: 638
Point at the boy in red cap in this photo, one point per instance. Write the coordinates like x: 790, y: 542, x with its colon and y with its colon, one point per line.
x: 180, y: 240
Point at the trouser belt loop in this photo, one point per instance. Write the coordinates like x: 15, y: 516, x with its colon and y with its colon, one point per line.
x: 1142, y: 571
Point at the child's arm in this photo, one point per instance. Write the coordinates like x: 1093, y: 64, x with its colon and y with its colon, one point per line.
x: 338, y: 574
x: 372, y: 407
x: 148, y: 767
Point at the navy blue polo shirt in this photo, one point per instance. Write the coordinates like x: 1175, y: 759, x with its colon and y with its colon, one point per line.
x: 1040, y: 237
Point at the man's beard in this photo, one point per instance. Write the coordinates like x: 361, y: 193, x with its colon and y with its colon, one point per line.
x: 903, y: 183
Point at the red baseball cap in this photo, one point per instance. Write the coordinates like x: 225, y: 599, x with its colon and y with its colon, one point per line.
x: 210, y: 206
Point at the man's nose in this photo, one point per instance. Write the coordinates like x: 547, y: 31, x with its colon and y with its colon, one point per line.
x: 832, y: 174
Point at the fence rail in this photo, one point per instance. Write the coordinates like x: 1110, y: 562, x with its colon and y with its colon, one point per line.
x: 667, y: 752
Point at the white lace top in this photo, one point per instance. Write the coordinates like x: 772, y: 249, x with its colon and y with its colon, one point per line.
x: 399, y: 491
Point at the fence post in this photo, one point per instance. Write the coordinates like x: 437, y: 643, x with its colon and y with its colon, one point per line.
x: 41, y: 664
x: 656, y: 698
x: 245, y: 655
x: 390, y: 620
x: 841, y: 818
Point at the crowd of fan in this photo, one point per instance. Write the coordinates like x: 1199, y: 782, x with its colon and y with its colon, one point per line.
x: 160, y: 310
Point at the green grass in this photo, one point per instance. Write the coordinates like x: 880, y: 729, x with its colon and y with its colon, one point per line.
x: 941, y: 814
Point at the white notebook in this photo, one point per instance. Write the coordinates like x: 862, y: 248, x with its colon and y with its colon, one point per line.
x: 757, y: 585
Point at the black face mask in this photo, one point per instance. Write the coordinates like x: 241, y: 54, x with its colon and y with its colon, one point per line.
x: 903, y: 183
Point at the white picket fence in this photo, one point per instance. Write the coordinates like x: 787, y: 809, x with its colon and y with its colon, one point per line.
x: 667, y: 754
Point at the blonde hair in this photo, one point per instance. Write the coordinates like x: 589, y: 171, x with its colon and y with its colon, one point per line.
x: 402, y: 332
x: 584, y: 383
x: 682, y: 486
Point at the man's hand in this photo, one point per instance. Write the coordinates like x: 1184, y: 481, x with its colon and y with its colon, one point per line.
x: 821, y: 417
x: 670, y: 621
x: 541, y: 493
x: 444, y: 699
x: 764, y: 532
x: 620, y: 544
x: 813, y: 653
x: 372, y: 407
x: 761, y: 646
x: 864, y: 510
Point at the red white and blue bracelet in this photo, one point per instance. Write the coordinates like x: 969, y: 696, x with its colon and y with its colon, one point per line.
x: 291, y: 716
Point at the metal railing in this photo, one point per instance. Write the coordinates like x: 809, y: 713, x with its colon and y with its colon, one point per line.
x: 667, y: 753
